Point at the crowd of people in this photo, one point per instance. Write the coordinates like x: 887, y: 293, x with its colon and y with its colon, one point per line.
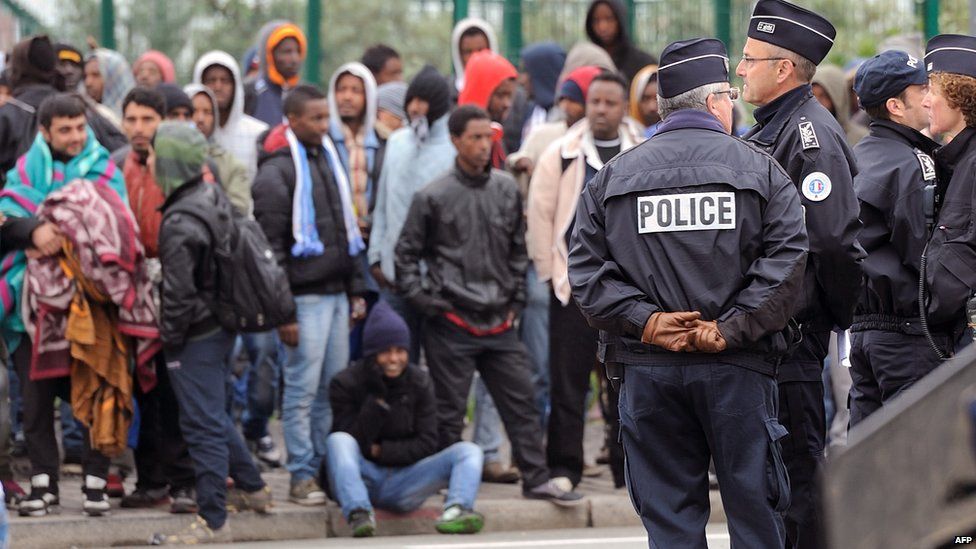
x: 496, y: 235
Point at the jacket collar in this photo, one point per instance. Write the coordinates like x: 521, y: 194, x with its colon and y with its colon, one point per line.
x: 469, y: 180
x: 886, y: 129
x: 950, y: 155
x: 579, y: 140
x: 690, y: 119
x: 772, y: 118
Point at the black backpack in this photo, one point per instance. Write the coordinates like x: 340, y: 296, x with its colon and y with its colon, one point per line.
x: 253, y: 293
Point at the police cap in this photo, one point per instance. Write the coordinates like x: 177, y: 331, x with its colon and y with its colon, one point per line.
x: 886, y: 75
x: 689, y: 64
x: 955, y: 53
x: 789, y: 26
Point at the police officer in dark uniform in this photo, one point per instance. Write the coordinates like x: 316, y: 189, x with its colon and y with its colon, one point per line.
x: 689, y: 244
x: 889, y: 350
x: 951, y: 254
x: 785, y: 43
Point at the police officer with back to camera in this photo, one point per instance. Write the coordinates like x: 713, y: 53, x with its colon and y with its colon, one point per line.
x: 950, y: 274
x: 688, y: 253
x: 784, y: 45
x: 895, y: 186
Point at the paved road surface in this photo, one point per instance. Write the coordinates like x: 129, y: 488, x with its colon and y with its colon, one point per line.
x: 583, y: 538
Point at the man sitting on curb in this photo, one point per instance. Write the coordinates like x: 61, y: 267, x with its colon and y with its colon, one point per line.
x: 383, y: 448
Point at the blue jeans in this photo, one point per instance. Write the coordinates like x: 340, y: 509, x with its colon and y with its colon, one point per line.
x: 198, y: 374
x: 322, y: 352
x: 262, y: 382
x: 358, y: 483
x: 487, y: 423
x: 534, y: 333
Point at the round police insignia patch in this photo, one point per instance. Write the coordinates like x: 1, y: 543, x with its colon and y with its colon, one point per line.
x: 816, y: 186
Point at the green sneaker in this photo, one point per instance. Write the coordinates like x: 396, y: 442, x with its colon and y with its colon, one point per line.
x: 363, y: 523
x: 458, y: 520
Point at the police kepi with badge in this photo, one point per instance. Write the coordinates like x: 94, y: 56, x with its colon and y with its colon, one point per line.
x: 895, y: 186
x: 950, y: 260
x: 784, y: 45
x: 688, y: 253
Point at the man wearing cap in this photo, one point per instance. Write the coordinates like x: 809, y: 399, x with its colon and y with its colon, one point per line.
x: 950, y: 276
x: 785, y: 43
x: 688, y: 254
x: 889, y: 351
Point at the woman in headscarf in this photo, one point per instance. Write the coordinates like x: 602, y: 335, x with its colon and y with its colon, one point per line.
x: 108, y: 78
x: 643, y: 100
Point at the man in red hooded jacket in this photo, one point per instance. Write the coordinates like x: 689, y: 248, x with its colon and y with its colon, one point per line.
x: 490, y: 83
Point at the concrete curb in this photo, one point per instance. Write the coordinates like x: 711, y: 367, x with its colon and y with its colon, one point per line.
x: 124, y: 528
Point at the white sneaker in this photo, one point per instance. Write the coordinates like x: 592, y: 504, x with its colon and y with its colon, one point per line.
x: 563, y: 483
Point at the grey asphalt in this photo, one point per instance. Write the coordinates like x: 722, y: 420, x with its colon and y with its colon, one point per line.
x: 580, y: 538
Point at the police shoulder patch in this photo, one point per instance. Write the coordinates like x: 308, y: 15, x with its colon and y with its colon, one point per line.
x: 808, y: 136
x: 816, y: 186
x: 927, y: 164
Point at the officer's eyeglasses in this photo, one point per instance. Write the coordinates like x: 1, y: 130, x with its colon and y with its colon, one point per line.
x: 751, y: 60
x: 733, y: 93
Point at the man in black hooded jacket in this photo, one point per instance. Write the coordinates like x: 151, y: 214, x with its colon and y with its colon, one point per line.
x: 606, y: 26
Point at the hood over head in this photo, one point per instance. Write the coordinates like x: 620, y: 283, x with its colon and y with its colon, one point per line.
x: 181, y: 151
x: 117, y: 75
x: 269, y: 37
x: 191, y: 90
x: 543, y: 62
x: 33, y: 61
x: 360, y: 71
x: 577, y: 84
x: 619, y: 10
x: 586, y: 54
x: 226, y: 60
x: 459, y: 29
x: 159, y: 59
x: 834, y: 82
x: 637, y: 86
x: 430, y: 86
x: 485, y: 71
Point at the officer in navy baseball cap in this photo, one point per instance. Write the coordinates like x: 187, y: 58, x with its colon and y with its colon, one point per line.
x: 950, y: 279
x: 784, y: 45
x: 889, y: 351
x: 697, y: 337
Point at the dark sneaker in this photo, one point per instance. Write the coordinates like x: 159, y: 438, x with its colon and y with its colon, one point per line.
x: 267, y: 452
x: 551, y: 491
x: 259, y: 501
x: 143, y: 498
x: 496, y: 473
x: 96, y: 500
x: 306, y: 492
x: 13, y: 494
x: 42, y: 500
x: 363, y: 523
x: 114, y: 487
x: 184, y: 502
x: 196, y: 533
x: 458, y: 520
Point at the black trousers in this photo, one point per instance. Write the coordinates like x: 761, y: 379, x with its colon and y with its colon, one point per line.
x: 885, y: 363
x: 453, y: 355
x: 674, y: 419
x: 572, y: 357
x: 38, y: 410
x: 610, y: 406
x: 801, y: 411
x: 162, y: 458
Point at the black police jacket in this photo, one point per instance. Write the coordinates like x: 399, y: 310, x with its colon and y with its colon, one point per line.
x: 951, y: 271
x: 894, y: 166
x: 811, y: 146
x: 691, y: 220
x: 470, y: 233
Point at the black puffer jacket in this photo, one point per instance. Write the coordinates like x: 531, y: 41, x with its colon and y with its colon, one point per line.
x: 189, y: 269
x: 398, y: 414
x: 332, y: 272
x: 18, y: 123
x: 470, y: 231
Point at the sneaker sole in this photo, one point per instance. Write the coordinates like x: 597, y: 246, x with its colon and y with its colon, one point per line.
x: 97, y: 512
x: 364, y: 532
x: 307, y: 502
x: 567, y: 504
x: 470, y: 525
x: 184, y: 509
x: 50, y: 510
